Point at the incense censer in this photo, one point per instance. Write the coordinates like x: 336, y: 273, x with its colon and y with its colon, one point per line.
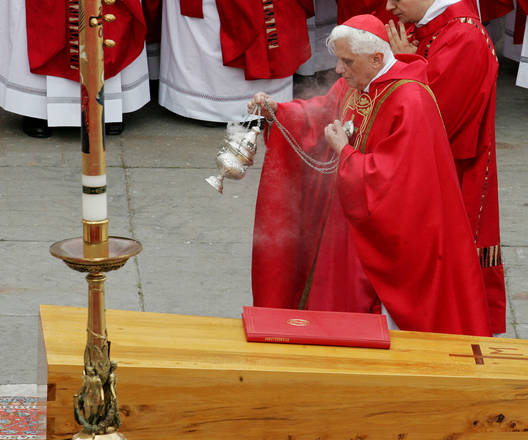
x: 235, y: 155
x: 240, y: 146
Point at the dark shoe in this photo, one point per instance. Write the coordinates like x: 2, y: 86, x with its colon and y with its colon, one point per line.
x: 210, y: 123
x: 154, y: 90
x: 34, y: 127
x: 114, y: 128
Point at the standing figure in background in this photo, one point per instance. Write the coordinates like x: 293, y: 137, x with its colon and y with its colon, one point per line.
x: 152, y: 12
x: 317, y: 74
x: 39, y: 69
x: 462, y: 70
x: 215, y: 54
x: 516, y: 40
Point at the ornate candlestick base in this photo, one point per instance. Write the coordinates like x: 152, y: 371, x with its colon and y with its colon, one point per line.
x: 108, y: 436
x: 95, y: 407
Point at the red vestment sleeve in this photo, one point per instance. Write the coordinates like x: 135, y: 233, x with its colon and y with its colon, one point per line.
x: 49, y: 40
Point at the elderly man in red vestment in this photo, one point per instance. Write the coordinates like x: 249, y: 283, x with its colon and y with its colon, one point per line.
x: 462, y: 71
x: 370, y: 221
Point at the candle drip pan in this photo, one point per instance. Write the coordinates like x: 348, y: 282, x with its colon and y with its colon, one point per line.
x: 98, y: 257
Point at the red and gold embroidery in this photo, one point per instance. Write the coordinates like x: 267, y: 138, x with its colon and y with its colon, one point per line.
x: 490, y: 256
x: 362, y: 109
x: 74, y: 20
x: 467, y: 20
x: 358, y: 107
x: 270, y: 24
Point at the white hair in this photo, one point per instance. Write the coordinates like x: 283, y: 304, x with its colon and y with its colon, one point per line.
x: 359, y: 41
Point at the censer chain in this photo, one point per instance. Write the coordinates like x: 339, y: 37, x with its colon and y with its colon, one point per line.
x: 328, y: 167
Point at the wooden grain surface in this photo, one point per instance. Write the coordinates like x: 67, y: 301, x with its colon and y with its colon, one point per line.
x: 196, y: 377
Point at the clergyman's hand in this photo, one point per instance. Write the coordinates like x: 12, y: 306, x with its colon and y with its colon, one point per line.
x: 335, y: 136
x: 263, y: 100
x: 398, y: 39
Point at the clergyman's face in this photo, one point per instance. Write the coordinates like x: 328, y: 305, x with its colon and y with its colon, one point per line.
x: 357, y: 69
x: 409, y: 11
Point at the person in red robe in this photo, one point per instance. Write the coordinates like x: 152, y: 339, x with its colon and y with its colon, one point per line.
x: 268, y: 42
x: 462, y: 71
x: 374, y: 219
x: 40, y: 55
x: 53, y: 43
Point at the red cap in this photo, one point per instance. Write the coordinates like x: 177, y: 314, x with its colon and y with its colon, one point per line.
x: 369, y: 23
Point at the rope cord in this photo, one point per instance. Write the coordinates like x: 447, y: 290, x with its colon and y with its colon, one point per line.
x: 323, y: 167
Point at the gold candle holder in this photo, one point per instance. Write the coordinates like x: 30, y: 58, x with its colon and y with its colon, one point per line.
x: 95, y: 407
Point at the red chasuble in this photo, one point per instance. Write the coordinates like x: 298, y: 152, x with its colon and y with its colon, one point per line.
x: 53, y: 45
x: 462, y: 73
x: 393, y: 211
x: 266, y: 38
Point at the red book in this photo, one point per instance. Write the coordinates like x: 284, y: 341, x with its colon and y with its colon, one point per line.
x: 288, y: 326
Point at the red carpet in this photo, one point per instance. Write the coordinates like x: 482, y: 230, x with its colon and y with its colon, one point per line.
x: 22, y: 418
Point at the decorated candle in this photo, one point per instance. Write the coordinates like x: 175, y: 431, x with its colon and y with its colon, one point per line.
x: 94, y: 203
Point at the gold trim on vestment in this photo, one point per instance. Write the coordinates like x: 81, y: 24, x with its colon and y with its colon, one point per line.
x: 368, y: 107
x: 490, y: 256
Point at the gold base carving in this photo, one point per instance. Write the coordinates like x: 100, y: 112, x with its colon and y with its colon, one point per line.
x: 109, y: 436
x: 95, y: 406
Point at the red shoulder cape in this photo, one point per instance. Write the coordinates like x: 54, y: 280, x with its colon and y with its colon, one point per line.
x: 49, y: 40
x: 268, y: 41
x: 402, y: 201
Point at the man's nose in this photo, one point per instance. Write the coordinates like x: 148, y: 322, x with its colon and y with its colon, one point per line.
x: 339, y: 68
x: 390, y: 5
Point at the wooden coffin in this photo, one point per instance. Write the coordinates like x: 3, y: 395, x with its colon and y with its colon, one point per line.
x: 193, y: 377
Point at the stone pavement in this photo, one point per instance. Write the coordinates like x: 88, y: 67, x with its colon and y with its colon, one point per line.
x: 197, y: 243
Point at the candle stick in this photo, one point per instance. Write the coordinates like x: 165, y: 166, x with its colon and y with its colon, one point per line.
x: 94, y: 203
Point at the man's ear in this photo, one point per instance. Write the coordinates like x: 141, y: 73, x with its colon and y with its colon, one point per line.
x: 377, y: 60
